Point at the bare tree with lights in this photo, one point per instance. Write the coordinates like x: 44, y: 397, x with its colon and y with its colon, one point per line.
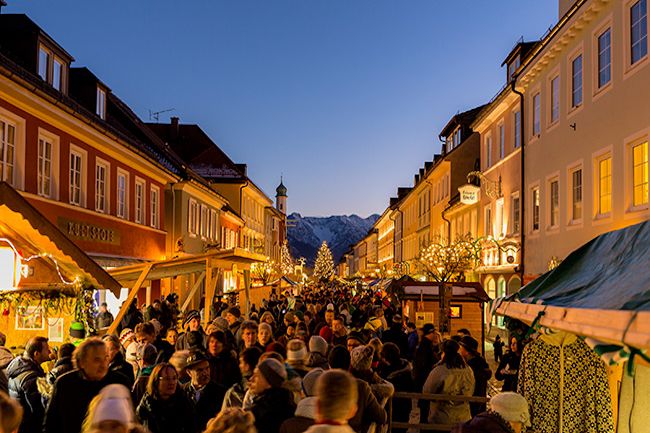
x: 324, y: 265
x: 263, y: 271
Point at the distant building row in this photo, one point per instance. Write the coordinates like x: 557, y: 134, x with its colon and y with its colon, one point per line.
x: 562, y: 151
x: 124, y: 190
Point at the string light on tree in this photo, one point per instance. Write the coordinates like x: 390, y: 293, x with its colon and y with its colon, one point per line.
x: 286, y: 261
x: 324, y: 265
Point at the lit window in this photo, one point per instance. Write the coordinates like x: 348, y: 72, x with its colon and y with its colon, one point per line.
x: 100, y: 110
x: 576, y: 82
x: 488, y: 221
x: 122, y: 195
x: 535, y: 207
x: 502, y: 141
x: 555, y: 203
x: 640, y: 174
x: 7, y: 151
x: 605, y: 186
x: 517, y: 127
x: 537, y: 111
x: 101, y: 177
x: 639, y: 30
x: 555, y: 99
x: 75, y: 178
x: 139, y: 202
x: 44, y: 167
x: 576, y: 195
x: 515, y: 214
x: 604, y: 58
x: 155, y: 207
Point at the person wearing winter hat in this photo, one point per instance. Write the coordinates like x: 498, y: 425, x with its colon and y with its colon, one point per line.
x: 317, y: 352
x: 306, y: 409
x: 272, y: 404
x: 206, y: 395
x: 355, y: 339
x: 507, y: 412
x: 233, y: 316
x: 127, y: 336
x: 361, y: 368
x: 480, y: 368
x: 191, y: 322
x: 336, y: 402
x: 111, y: 411
x: 145, y: 356
x: 297, y: 356
x: 77, y: 333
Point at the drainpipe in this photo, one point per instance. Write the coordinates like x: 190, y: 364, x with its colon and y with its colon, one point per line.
x: 522, y: 189
x: 241, y: 204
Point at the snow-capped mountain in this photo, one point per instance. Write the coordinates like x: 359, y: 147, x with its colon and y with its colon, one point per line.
x: 306, y: 234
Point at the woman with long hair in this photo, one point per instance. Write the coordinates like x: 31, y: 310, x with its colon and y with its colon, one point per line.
x: 451, y: 376
x: 165, y: 408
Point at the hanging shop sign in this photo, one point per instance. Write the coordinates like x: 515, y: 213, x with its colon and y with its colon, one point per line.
x: 89, y: 232
x: 469, y: 194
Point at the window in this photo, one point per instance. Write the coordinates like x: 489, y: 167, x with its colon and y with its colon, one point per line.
x: 499, y: 217
x: 214, y: 225
x: 537, y: 111
x: 75, y: 178
x: 605, y: 185
x: 122, y: 195
x: 639, y: 30
x: 44, y: 167
x: 640, y: 174
x: 100, y: 110
x: 57, y: 73
x: 488, y: 221
x: 488, y: 151
x: 457, y: 137
x: 515, y: 213
x: 604, y: 58
x: 576, y: 195
x: 204, y: 221
x: 555, y: 99
x: 193, y: 218
x: 554, y: 202
x: 43, y: 62
x: 139, y: 201
x: 535, y: 209
x: 576, y: 82
x: 502, y: 141
x: 155, y: 207
x: 512, y: 67
x: 7, y: 151
x: 101, y: 178
x: 517, y: 128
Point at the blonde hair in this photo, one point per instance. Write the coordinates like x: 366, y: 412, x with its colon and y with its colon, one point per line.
x: 232, y: 420
x: 336, y: 391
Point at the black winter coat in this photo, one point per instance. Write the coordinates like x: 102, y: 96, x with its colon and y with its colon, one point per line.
x: 22, y: 373
x: 401, y: 376
x: 425, y: 358
x: 510, y: 379
x: 208, y: 404
x: 175, y: 415
x: 120, y: 365
x: 395, y: 334
x: 486, y: 422
x: 61, y: 367
x: 272, y: 408
x: 482, y: 374
x: 224, y: 369
x: 70, y: 399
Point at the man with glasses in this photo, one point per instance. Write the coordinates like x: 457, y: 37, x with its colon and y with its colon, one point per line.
x: 206, y: 395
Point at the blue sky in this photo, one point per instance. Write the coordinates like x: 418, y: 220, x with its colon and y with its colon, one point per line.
x: 344, y: 97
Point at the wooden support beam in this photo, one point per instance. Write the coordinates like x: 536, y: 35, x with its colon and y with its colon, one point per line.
x: 191, y: 293
x: 210, y: 290
x: 132, y: 294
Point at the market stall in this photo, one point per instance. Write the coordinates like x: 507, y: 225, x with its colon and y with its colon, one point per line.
x: 598, y: 297
x: 46, y: 281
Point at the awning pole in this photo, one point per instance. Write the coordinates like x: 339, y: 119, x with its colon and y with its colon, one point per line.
x: 134, y: 291
x: 191, y: 293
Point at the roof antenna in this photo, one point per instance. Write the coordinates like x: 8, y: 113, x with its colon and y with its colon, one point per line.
x: 153, y: 115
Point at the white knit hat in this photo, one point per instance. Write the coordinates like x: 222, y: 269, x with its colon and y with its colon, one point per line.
x: 511, y: 406
x: 296, y: 351
x: 114, y: 405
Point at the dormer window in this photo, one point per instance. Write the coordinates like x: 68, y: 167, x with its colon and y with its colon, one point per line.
x: 454, y: 139
x: 513, y: 66
x: 51, y: 68
x: 100, y: 109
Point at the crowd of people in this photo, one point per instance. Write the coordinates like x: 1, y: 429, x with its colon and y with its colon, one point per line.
x: 324, y: 361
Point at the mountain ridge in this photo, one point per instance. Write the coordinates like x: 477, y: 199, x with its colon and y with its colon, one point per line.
x: 306, y: 234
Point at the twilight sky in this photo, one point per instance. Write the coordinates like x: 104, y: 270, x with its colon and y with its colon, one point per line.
x: 344, y: 97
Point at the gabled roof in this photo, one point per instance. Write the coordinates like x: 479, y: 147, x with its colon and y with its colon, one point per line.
x: 522, y: 49
x: 461, y: 119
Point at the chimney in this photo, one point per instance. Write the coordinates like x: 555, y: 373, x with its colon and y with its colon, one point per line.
x: 416, y: 179
x: 175, y: 127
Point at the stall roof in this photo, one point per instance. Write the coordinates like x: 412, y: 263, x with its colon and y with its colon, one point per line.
x: 285, y: 279
x: 601, y: 290
x: 185, y: 264
x: 32, y: 234
x: 414, y: 290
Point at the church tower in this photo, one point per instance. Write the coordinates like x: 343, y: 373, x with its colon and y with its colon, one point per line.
x: 281, y: 197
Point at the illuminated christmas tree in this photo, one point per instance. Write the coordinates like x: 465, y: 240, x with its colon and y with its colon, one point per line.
x: 324, y: 265
x: 286, y: 261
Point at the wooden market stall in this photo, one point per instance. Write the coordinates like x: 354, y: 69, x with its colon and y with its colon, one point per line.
x: 421, y: 304
x: 46, y: 280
